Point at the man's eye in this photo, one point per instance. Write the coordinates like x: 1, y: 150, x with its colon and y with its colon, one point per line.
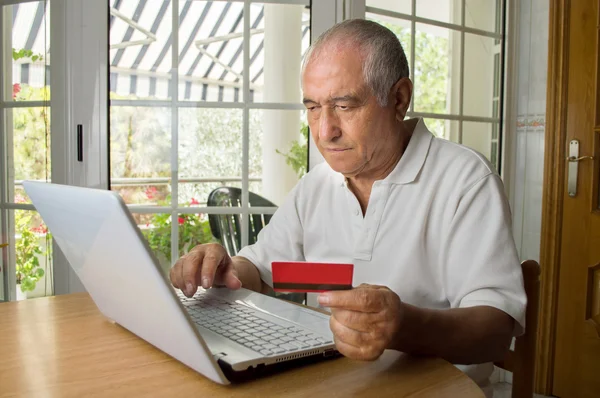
x: 343, y: 107
x: 313, y: 108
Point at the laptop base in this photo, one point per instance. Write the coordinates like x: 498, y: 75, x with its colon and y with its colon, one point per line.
x: 253, y: 373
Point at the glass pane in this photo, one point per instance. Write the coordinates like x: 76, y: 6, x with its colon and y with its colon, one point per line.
x: 194, y: 229
x: 278, y: 152
x: 400, y: 27
x: 140, y: 153
x: 447, y: 129
x: 448, y: 11
x: 31, y: 147
x: 478, y: 136
x: 211, y: 57
x: 280, y: 32
x: 402, y: 6
x: 156, y: 228
x: 437, y: 69
x: 140, y: 49
x: 225, y: 229
x: 479, y: 75
x: 29, y: 73
x: 483, y: 14
x: 33, y: 254
x: 210, y: 152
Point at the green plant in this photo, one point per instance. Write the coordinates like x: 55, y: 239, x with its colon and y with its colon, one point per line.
x: 28, y: 250
x: 194, y: 229
x: 296, y: 156
x: 24, y: 92
x: 31, y: 140
x: 24, y: 53
x: 431, y: 75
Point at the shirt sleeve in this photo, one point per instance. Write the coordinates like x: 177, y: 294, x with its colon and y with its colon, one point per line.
x: 280, y: 240
x: 482, y: 267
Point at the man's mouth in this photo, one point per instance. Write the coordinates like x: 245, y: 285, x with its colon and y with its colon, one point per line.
x: 335, y: 150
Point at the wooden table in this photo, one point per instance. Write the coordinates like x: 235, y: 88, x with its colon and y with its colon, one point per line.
x: 63, y: 347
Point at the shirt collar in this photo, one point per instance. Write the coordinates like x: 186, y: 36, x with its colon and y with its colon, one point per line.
x: 413, y: 159
x: 411, y: 162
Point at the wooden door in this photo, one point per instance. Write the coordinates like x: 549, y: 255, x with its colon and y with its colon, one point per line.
x: 577, y: 343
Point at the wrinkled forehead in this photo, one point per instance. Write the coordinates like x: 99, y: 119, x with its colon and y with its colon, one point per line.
x: 335, y: 59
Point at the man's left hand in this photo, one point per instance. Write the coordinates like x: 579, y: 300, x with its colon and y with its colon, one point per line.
x: 365, y: 320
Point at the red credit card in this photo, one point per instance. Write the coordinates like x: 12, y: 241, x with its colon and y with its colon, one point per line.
x: 311, y: 277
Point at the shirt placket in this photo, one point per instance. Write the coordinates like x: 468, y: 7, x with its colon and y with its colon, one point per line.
x: 364, y: 229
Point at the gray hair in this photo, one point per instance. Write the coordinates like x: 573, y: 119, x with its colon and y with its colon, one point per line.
x: 385, y: 61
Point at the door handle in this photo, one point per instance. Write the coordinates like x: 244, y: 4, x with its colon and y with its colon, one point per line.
x: 574, y: 160
x: 579, y: 159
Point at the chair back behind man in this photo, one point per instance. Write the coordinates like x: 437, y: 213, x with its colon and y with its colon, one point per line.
x: 521, y: 361
x: 227, y: 228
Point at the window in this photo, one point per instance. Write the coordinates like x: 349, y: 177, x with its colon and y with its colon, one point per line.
x: 454, y: 49
x: 204, y: 94
x: 24, y: 148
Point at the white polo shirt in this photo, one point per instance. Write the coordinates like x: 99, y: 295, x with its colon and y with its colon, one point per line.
x: 437, y: 231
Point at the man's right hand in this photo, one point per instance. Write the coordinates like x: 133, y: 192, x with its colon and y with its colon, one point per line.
x: 205, y: 265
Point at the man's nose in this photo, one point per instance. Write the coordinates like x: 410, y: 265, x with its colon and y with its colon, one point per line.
x: 329, y: 125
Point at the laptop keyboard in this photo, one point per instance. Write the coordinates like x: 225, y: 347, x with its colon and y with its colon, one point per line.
x: 239, y: 323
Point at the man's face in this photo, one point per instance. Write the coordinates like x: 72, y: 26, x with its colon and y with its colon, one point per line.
x: 347, y: 123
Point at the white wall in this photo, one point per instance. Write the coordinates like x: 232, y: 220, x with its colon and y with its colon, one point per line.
x: 527, y: 181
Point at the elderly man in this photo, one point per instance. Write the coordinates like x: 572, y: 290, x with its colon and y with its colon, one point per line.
x: 424, y: 221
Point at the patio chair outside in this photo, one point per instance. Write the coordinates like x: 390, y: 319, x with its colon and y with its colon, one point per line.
x: 227, y: 228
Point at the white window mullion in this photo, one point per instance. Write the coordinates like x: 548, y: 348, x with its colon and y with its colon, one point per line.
x: 509, y: 145
x: 5, y: 44
x: 432, y: 22
x: 413, y: 30
x: 9, y: 172
x: 461, y: 84
x: 450, y: 116
x: 24, y: 104
x: 144, y: 209
x: 174, y: 131
x: 323, y: 15
x: 246, y: 127
x: 354, y: 9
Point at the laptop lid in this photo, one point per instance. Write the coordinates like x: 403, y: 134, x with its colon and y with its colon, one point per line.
x: 107, y: 251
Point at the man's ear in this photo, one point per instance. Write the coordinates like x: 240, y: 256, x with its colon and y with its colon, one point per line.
x: 402, y: 94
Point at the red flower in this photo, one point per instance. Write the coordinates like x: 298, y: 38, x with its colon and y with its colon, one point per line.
x: 150, y: 192
x: 16, y: 90
x: 194, y: 202
x: 20, y: 198
x: 181, y: 220
x: 42, y: 229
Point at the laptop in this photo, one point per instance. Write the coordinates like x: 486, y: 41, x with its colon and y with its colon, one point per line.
x: 223, y: 334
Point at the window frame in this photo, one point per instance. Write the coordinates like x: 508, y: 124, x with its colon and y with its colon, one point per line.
x: 323, y: 15
x: 75, y: 61
x: 8, y: 207
x: 498, y: 122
